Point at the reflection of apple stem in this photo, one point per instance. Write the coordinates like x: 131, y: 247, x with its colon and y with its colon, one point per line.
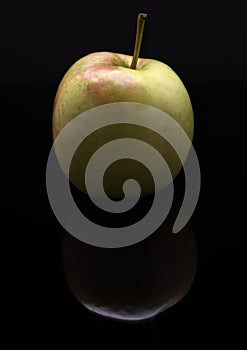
x: 139, y: 32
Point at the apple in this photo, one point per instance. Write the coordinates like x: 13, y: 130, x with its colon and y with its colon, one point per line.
x: 103, y: 77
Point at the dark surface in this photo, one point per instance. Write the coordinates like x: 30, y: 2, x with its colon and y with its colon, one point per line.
x: 206, y: 49
x: 39, y: 279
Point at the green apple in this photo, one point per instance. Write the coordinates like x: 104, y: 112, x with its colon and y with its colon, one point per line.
x: 104, y: 77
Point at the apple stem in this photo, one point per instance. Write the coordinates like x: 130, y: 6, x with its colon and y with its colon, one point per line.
x: 139, y: 33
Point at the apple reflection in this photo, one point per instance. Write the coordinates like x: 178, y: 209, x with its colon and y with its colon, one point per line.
x: 135, y: 282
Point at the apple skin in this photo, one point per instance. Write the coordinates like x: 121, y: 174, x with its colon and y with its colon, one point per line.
x: 103, y: 77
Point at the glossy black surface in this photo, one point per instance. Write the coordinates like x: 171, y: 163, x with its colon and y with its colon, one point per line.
x: 205, y: 45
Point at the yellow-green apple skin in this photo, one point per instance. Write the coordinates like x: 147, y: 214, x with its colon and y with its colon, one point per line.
x: 104, y: 77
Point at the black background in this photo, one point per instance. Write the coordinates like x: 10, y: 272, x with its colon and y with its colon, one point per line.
x: 205, y: 44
